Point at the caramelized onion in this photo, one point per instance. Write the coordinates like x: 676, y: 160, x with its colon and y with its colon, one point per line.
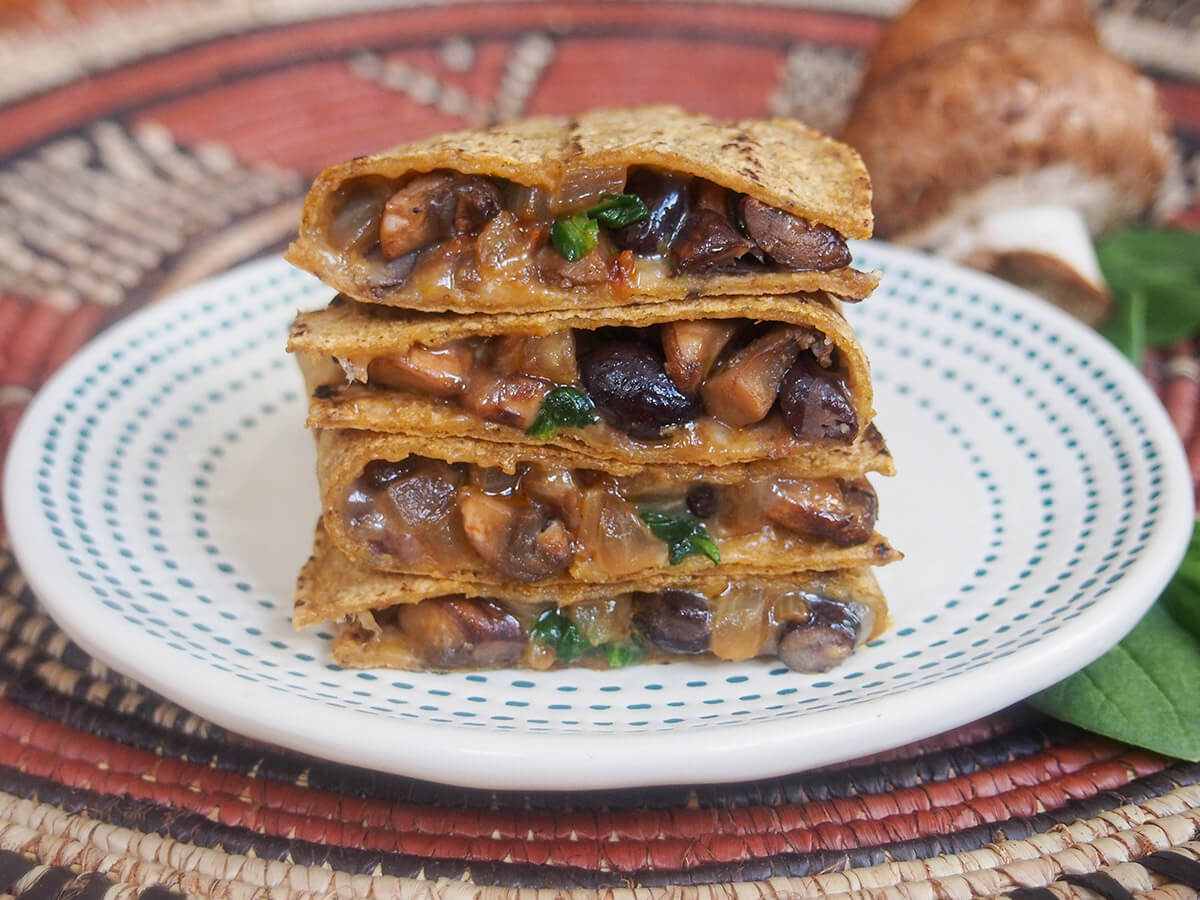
x: 616, y: 540
x: 740, y: 627
x: 581, y: 187
x: 602, y: 621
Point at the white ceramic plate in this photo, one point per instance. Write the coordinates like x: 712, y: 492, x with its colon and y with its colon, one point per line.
x: 160, y: 495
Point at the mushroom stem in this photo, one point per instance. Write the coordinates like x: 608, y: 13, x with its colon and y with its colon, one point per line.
x: 1046, y: 249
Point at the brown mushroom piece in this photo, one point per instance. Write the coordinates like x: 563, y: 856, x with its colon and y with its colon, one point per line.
x: 518, y: 538
x: 407, y: 510
x: 792, y: 241
x: 1010, y: 151
x: 827, y: 637
x: 433, y: 207
x: 675, y: 620
x: 840, y: 511
x: 707, y: 241
x: 437, y: 371
x: 553, y: 267
x: 551, y: 356
x: 744, y: 388
x: 512, y: 400
x: 815, y: 403
x: 691, y: 349
x: 455, y: 632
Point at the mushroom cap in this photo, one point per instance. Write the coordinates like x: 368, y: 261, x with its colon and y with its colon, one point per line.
x: 1011, y: 119
x: 928, y: 24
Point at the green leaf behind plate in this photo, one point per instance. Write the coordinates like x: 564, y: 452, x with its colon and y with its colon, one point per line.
x: 1145, y: 691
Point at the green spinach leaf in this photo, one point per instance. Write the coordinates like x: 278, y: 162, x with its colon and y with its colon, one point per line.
x: 1155, y: 280
x: 1144, y: 691
x: 618, y: 210
x: 1182, y: 596
x: 575, y: 236
x: 683, y: 534
x: 562, y: 407
x: 561, y: 635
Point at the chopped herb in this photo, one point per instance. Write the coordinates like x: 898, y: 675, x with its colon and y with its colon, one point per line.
x: 624, y: 653
x: 559, y: 633
x: 683, y: 534
x: 562, y: 407
x: 575, y: 236
x: 618, y: 210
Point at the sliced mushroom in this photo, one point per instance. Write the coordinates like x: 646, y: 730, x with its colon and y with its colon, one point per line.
x: 513, y: 400
x: 553, y: 267
x: 550, y: 356
x: 628, y: 382
x: 432, y: 207
x: 843, y: 512
x: 440, y: 371
x: 829, y: 635
x: 515, y: 537
x: 792, y: 241
x: 390, y: 274
x: 416, y: 215
x: 477, y: 201
x: 457, y: 632
x: 708, y: 241
x: 678, y: 621
x: 743, y: 390
x: 354, y: 227
x: 816, y: 404
x: 692, y: 348
x: 407, y: 511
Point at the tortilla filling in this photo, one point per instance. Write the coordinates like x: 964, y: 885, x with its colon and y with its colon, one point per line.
x: 807, y: 625
x: 624, y: 229
x: 426, y: 516
x: 782, y: 381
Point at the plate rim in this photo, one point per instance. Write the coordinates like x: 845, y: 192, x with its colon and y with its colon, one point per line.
x: 516, y: 760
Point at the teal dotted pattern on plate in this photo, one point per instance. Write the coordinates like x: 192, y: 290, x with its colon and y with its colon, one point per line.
x: 177, y: 482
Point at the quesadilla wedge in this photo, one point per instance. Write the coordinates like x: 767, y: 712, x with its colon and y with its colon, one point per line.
x: 810, y: 621
x: 463, y: 509
x: 712, y: 381
x: 612, y: 207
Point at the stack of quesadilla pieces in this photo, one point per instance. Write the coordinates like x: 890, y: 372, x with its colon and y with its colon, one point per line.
x: 586, y: 396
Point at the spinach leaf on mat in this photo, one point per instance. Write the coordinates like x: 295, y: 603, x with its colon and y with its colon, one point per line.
x: 1145, y: 691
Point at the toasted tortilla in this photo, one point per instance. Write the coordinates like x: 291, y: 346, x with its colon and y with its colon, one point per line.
x: 331, y: 587
x: 343, y: 454
x: 358, y: 333
x: 778, y: 161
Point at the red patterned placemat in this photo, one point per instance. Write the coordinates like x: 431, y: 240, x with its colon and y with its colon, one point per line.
x: 145, y: 144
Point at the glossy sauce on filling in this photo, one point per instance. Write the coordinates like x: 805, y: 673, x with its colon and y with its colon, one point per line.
x: 604, y: 228
x: 687, y: 381
x: 426, y: 516
x: 806, y: 625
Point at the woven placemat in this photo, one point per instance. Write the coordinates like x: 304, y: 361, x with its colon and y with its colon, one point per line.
x: 145, y: 144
